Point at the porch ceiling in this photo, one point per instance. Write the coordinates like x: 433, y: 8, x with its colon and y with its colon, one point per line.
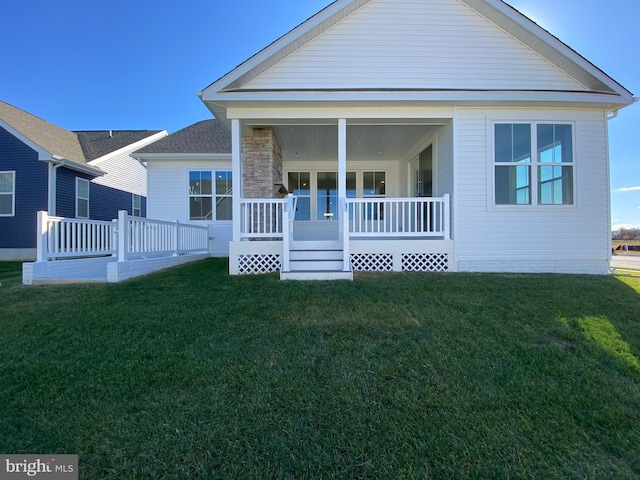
x: 368, y: 142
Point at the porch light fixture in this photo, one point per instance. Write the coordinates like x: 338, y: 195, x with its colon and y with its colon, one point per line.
x: 282, y: 190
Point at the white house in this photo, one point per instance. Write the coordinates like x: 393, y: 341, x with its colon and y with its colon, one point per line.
x: 410, y: 135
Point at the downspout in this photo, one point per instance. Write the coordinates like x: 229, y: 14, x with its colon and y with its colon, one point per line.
x: 53, y: 185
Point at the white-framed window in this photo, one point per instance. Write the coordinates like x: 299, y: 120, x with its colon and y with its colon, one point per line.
x: 136, y: 207
x: 533, y: 163
x: 224, y: 195
x: 7, y: 194
x: 374, y: 186
x: 204, y: 191
x: 82, y: 198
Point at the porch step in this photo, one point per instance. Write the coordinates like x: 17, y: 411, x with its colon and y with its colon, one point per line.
x: 316, y: 276
x: 316, y: 260
x: 308, y: 255
x: 309, y: 245
x: 319, y: 265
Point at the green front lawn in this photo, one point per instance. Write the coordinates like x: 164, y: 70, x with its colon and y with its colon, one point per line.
x: 190, y: 373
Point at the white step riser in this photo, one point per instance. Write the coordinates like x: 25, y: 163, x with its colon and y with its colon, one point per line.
x: 316, y: 245
x: 316, y: 276
x: 316, y: 266
x: 315, y: 255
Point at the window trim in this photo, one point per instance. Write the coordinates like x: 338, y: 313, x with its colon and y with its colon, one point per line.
x: 13, y: 194
x: 534, y: 164
x: 78, y: 181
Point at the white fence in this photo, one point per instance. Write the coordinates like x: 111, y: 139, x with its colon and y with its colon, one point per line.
x: 262, y: 218
x: 126, y: 237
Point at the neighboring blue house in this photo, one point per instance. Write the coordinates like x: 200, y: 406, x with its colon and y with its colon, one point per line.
x: 83, y: 174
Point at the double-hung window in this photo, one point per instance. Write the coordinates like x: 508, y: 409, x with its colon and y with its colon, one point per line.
x: 533, y: 164
x: 374, y: 186
x: 136, y: 208
x: 7, y: 194
x: 224, y: 196
x: 82, y: 198
x: 210, y: 199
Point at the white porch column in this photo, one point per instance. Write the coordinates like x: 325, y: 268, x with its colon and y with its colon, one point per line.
x: 342, y: 158
x: 236, y: 173
x: 342, y: 192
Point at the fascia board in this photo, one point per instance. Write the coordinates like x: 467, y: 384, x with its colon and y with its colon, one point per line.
x: 43, y: 155
x: 129, y: 148
x: 229, y: 99
x: 78, y: 167
x: 168, y: 157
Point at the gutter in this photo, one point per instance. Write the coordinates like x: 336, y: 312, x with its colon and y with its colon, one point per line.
x: 79, y: 167
x: 55, y: 162
x: 613, y: 114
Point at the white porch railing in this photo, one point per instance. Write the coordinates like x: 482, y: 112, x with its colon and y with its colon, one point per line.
x: 125, y: 237
x: 399, y: 217
x: 262, y: 218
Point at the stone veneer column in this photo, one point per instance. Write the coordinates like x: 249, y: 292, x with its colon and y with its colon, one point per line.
x: 261, y: 164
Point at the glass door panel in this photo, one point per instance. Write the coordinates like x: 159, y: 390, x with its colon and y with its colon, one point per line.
x: 327, y: 196
x: 300, y: 185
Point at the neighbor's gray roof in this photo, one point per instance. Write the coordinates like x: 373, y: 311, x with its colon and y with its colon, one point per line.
x: 80, y: 146
x: 50, y: 137
x: 206, y: 136
x: 97, y: 143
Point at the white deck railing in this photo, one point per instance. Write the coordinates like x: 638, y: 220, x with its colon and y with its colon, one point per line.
x: 142, y: 236
x: 262, y: 218
x: 399, y: 217
x: 60, y: 237
x: 125, y: 237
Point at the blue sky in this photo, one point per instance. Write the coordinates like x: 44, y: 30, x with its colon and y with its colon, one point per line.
x: 135, y: 64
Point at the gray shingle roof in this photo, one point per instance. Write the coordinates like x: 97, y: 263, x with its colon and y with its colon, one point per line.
x: 97, y: 143
x: 80, y: 146
x: 206, y: 136
x: 50, y: 137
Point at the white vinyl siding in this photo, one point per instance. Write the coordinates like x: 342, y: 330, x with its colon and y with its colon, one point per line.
x: 417, y: 44
x: 538, y: 237
x: 7, y: 194
x: 444, y: 161
x: 123, y: 173
x: 167, y: 200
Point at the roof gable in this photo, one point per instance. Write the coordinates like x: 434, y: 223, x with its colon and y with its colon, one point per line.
x: 49, y: 137
x: 417, y: 44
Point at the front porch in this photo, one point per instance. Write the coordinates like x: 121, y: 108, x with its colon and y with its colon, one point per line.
x: 365, y: 193
x: 369, y: 235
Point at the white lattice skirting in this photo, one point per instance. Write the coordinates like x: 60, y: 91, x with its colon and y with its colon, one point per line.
x: 372, y: 262
x: 258, y: 264
x: 425, y: 262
